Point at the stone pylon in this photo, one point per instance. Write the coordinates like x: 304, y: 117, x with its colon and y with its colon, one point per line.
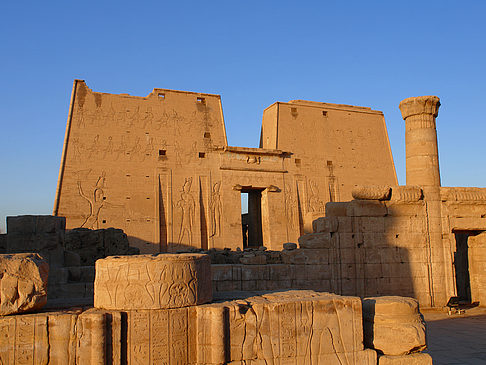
x: 422, y: 155
x: 422, y: 163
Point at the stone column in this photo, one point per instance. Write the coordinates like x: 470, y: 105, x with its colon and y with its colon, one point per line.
x: 421, y: 140
x: 422, y: 160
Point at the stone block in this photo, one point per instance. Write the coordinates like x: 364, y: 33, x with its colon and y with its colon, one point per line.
x: 336, y: 209
x: 411, y: 359
x: 281, y: 272
x: 3, y: 243
x: 222, y: 272
x: 294, y: 257
x: 325, y: 224
x: 345, y: 224
x: 289, y: 246
x: 254, y: 272
x: 316, y: 256
x: 366, y: 208
x: 35, y: 224
x: 253, y: 259
x: 406, y: 193
x: 152, y: 281
x: 23, y: 282
x: 371, y: 192
x: 315, y: 240
x: 317, y: 272
x: 71, y: 259
x: 62, y: 338
x: 384, y: 317
x: 371, y: 225
x: 24, y: 339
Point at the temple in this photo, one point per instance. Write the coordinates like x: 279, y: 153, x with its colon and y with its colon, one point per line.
x: 160, y: 168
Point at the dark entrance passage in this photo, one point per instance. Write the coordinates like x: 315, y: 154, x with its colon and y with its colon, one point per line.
x: 251, y: 221
x: 461, y: 265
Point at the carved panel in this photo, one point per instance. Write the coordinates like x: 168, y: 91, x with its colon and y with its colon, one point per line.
x: 152, y: 282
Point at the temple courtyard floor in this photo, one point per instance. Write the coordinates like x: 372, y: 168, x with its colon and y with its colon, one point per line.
x: 457, y: 339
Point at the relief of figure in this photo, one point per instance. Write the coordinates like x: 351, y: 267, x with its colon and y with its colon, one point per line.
x: 96, y: 202
x: 131, y: 116
x: 187, y: 206
x: 315, y: 204
x: 81, y: 118
x: 93, y: 149
x: 135, y: 149
x: 147, y: 118
x: 215, y: 211
x: 161, y: 122
x: 76, y: 149
x: 149, y: 148
x: 290, y: 206
x: 108, y: 151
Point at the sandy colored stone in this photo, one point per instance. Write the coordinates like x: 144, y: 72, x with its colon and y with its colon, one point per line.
x: 152, y: 281
x: 315, y: 240
x: 407, y: 193
x: 385, y: 317
x: 371, y: 192
x: 411, y: 359
x: 24, y: 340
x: 159, y: 167
x: 325, y: 224
x: 23, y: 282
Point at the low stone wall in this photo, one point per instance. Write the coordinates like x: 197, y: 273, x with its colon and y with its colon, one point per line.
x: 268, y: 327
x: 92, y: 245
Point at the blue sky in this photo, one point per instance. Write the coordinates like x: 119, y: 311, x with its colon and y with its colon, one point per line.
x: 368, y: 53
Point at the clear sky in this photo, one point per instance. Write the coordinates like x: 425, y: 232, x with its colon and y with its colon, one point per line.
x: 367, y: 53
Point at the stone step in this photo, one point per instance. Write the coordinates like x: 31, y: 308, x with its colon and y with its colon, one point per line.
x: 70, y: 290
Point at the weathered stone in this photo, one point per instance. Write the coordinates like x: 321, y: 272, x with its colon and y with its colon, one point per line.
x: 92, y: 245
x: 385, y: 317
x: 411, y: 359
x: 253, y: 259
x: 325, y: 224
x: 289, y: 246
x: 152, y: 281
x: 407, y: 193
x: 24, y: 340
x: 371, y: 192
x: 366, y: 208
x: 315, y: 240
x: 23, y: 282
x: 337, y: 209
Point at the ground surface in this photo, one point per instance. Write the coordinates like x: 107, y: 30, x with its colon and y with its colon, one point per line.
x: 457, y: 339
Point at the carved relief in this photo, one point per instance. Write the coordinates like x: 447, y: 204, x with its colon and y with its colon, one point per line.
x: 215, y: 210
x: 315, y: 204
x: 96, y: 202
x: 152, y: 282
x: 187, y: 206
x: 290, y: 206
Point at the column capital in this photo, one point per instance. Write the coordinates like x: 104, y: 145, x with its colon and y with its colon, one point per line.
x: 420, y: 105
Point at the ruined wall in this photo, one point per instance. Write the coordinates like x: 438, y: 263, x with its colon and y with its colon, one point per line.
x: 159, y: 168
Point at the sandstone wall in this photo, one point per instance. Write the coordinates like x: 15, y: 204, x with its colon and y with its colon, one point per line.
x: 159, y: 168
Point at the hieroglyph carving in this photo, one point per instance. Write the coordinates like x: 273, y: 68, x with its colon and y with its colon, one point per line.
x: 315, y: 203
x: 290, y: 206
x: 215, y: 210
x: 187, y: 206
x: 152, y: 282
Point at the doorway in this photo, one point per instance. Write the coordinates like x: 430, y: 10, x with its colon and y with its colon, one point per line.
x: 461, y: 265
x: 251, y: 217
